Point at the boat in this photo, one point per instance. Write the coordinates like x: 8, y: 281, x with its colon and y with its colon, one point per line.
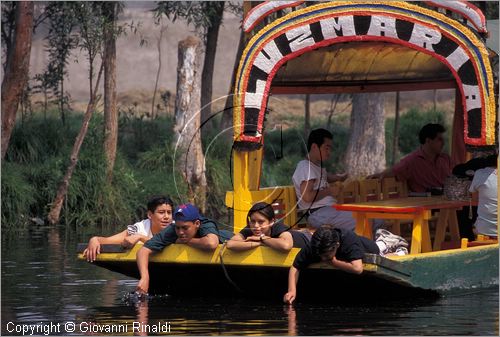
x: 408, y: 46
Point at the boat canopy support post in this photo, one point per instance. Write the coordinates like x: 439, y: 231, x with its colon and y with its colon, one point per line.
x: 247, y: 171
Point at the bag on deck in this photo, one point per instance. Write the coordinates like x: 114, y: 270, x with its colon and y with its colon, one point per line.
x: 456, y: 188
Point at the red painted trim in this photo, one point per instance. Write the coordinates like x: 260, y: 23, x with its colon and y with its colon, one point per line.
x: 464, y: 14
x: 396, y: 209
x: 473, y: 141
x: 272, y: 10
x: 328, y: 89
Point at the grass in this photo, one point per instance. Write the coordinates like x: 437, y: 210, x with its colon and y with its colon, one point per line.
x: 39, y: 152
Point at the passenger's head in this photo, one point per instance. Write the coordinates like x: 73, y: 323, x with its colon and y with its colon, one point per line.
x: 492, y: 160
x: 187, y: 221
x: 319, y: 144
x: 325, y: 241
x: 160, y: 212
x: 260, y: 218
x: 431, y: 135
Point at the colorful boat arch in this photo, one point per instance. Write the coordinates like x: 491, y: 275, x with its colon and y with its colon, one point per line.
x: 403, y: 23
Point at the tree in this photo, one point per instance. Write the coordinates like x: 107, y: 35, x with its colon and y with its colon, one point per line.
x: 366, y: 148
x: 158, y: 46
x: 17, y: 68
x: 88, y: 18
x: 61, y: 40
x: 207, y: 18
x: 110, y: 110
x: 191, y: 161
x: 227, y: 115
x: 62, y: 190
x: 215, y: 10
x: 307, y: 119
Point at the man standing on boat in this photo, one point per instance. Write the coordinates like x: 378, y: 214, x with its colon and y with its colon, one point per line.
x: 190, y: 229
x: 311, y: 179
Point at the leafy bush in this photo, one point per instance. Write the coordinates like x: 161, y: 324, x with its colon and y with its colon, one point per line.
x: 410, y: 124
x: 18, y: 195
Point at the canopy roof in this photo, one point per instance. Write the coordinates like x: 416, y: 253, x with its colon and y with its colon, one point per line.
x: 367, y: 64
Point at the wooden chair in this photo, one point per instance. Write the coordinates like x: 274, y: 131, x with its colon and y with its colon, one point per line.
x: 336, y: 188
x: 391, y: 189
x: 369, y: 190
x: 349, y: 192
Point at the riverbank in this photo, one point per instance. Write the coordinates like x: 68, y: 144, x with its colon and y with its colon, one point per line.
x: 39, y: 153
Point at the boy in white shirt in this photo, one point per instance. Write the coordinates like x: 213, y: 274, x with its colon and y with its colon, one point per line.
x: 159, y: 217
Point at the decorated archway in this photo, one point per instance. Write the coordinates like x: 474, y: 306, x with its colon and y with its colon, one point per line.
x: 445, y: 39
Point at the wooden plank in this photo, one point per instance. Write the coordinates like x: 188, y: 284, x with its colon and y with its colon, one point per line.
x: 291, y: 88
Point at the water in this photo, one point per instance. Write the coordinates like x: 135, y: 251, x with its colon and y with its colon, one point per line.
x: 43, y: 283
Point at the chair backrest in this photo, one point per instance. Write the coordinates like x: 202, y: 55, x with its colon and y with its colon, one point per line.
x: 391, y: 188
x: 349, y: 192
x: 336, y: 189
x: 279, y: 207
x: 369, y: 190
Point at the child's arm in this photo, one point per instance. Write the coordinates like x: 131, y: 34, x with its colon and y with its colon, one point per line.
x: 94, y: 246
x: 238, y: 243
x: 284, y: 242
x: 355, y: 266
x: 293, y: 279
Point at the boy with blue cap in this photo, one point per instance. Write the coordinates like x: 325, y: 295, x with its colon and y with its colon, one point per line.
x: 190, y: 229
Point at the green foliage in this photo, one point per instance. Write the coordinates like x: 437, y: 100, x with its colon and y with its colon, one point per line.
x: 37, y: 140
x: 202, y: 14
x: 410, y: 124
x: 38, y: 158
x: 18, y: 195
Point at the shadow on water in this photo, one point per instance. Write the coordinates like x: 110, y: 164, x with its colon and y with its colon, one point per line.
x: 42, y: 281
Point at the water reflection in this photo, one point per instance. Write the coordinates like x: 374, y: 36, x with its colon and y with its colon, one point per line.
x: 43, y: 282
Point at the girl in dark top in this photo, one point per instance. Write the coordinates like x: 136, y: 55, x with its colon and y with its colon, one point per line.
x: 264, y: 230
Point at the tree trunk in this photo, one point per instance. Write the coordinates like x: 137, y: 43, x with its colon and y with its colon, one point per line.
x: 110, y: 111
x: 227, y: 115
x: 307, y: 119
x: 395, y: 138
x: 191, y: 161
x: 160, y: 38
x: 17, y: 69
x: 62, y: 191
x: 61, y: 99
x: 366, y: 149
x: 209, y: 63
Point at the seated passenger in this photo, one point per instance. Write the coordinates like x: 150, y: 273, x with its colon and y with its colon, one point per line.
x: 426, y: 168
x: 485, y: 184
x: 190, y: 229
x: 159, y: 217
x: 311, y: 179
x: 264, y: 230
x: 344, y: 250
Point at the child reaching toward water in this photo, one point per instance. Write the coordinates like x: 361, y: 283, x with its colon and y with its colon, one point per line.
x: 343, y: 249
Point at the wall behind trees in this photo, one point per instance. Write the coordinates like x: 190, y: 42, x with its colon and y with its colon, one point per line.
x: 137, y: 65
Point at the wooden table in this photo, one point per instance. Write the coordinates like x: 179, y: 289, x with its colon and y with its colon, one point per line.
x: 417, y: 209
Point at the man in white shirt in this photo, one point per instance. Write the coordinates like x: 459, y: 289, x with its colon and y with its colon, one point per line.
x: 311, y: 180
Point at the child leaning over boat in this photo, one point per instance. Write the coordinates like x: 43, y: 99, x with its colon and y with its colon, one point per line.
x: 344, y: 250
x: 159, y: 217
x: 190, y: 229
x: 263, y: 230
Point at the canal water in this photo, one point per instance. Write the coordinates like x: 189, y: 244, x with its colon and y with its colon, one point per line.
x: 45, y: 287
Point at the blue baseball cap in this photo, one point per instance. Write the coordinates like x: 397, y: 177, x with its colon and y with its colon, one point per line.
x: 186, y: 212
